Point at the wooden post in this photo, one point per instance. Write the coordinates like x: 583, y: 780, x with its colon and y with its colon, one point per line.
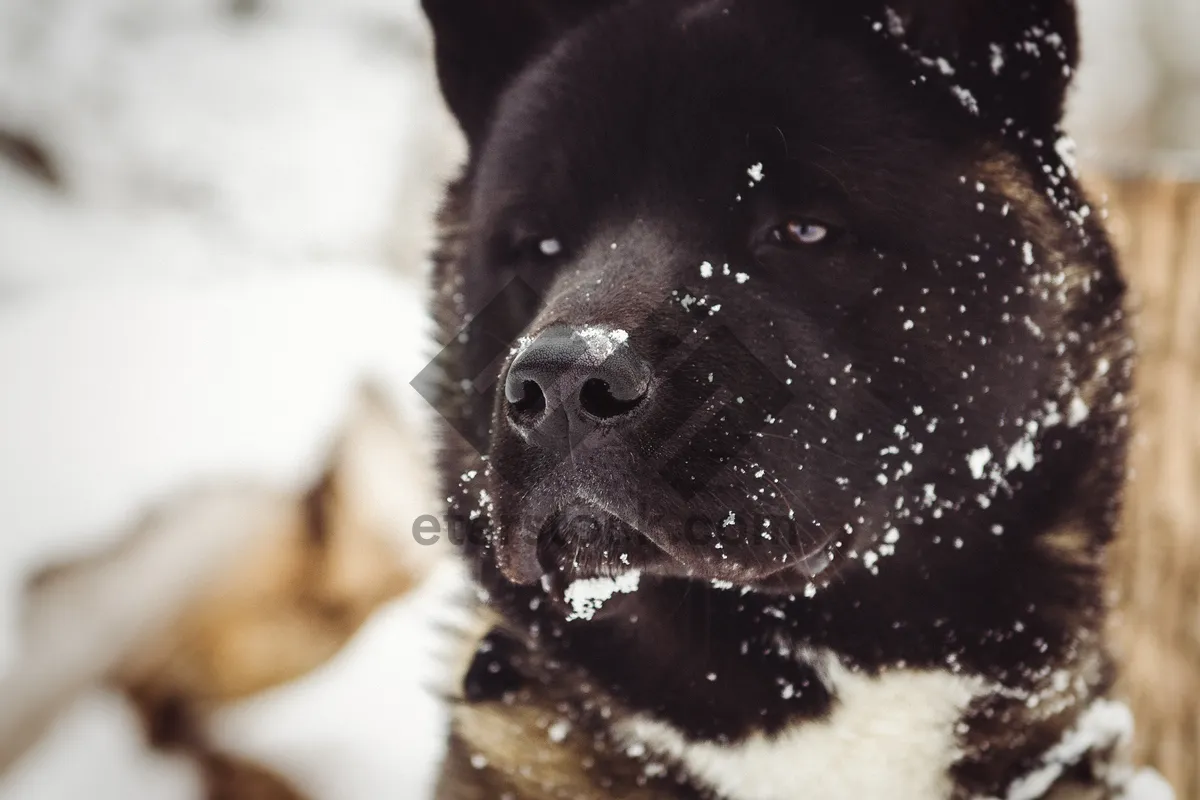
x: 1156, y: 566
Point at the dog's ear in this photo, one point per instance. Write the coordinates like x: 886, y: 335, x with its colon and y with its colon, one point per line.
x: 1010, y: 61
x: 480, y: 45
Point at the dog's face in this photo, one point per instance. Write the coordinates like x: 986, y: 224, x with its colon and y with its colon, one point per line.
x: 776, y: 282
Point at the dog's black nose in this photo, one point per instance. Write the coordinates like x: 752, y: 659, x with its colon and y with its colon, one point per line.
x: 570, y: 380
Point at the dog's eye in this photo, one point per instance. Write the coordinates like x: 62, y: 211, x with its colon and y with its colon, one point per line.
x: 801, y: 233
x: 524, y: 244
x: 536, y: 248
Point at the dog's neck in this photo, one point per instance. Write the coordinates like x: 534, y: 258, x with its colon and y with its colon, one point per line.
x: 899, y: 731
x: 976, y: 676
x: 897, y: 734
x: 889, y: 735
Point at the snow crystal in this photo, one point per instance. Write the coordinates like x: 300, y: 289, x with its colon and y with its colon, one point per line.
x: 1021, y: 455
x: 1148, y: 785
x: 997, y: 61
x: 1027, y: 252
x: 706, y: 270
x: 1065, y: 147
x: 1102, y: 725
x: 755, y: 172
x: 588, y: 595
x: 895, y: 24
x: 557, y: 732
x: 741, y: 277
x: 1077, y: 411
x: 601, y: 342
x: 550, y: 247
x: 978, y: 460
x: 966, y: 98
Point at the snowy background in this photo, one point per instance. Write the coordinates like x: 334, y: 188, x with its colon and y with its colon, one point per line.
x: 1137, y: 98
x: 235, y: 240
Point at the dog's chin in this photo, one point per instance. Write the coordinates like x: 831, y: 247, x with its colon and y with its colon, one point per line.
x: 588, y: 538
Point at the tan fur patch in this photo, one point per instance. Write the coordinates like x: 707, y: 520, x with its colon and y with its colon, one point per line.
x: 1071, y: 543
x: 552, y: 742
x: 1094, y: 372
x: 1003, y: 173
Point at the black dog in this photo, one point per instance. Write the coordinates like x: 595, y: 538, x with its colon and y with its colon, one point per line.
x: 788, y: 372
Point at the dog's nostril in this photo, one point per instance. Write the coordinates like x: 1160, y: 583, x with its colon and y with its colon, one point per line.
x: 530, y: 400
x: 597, y: 398
x: 563, y: 384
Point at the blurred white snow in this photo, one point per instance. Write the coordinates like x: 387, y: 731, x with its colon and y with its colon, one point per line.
x: 95, y: 750
x: 1137, y: 96
x: 238, y: 242
x: 369, y: 725
x: 195, y: 141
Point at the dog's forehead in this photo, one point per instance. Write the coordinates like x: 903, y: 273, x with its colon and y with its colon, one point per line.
x: 687, y: 98
x: 700, y: 60
x: 704, y: 9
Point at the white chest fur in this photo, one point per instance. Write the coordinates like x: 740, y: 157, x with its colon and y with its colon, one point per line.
x: 891, y: 736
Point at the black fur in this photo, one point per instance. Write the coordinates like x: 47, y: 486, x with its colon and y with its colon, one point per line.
x: 969, y: 300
